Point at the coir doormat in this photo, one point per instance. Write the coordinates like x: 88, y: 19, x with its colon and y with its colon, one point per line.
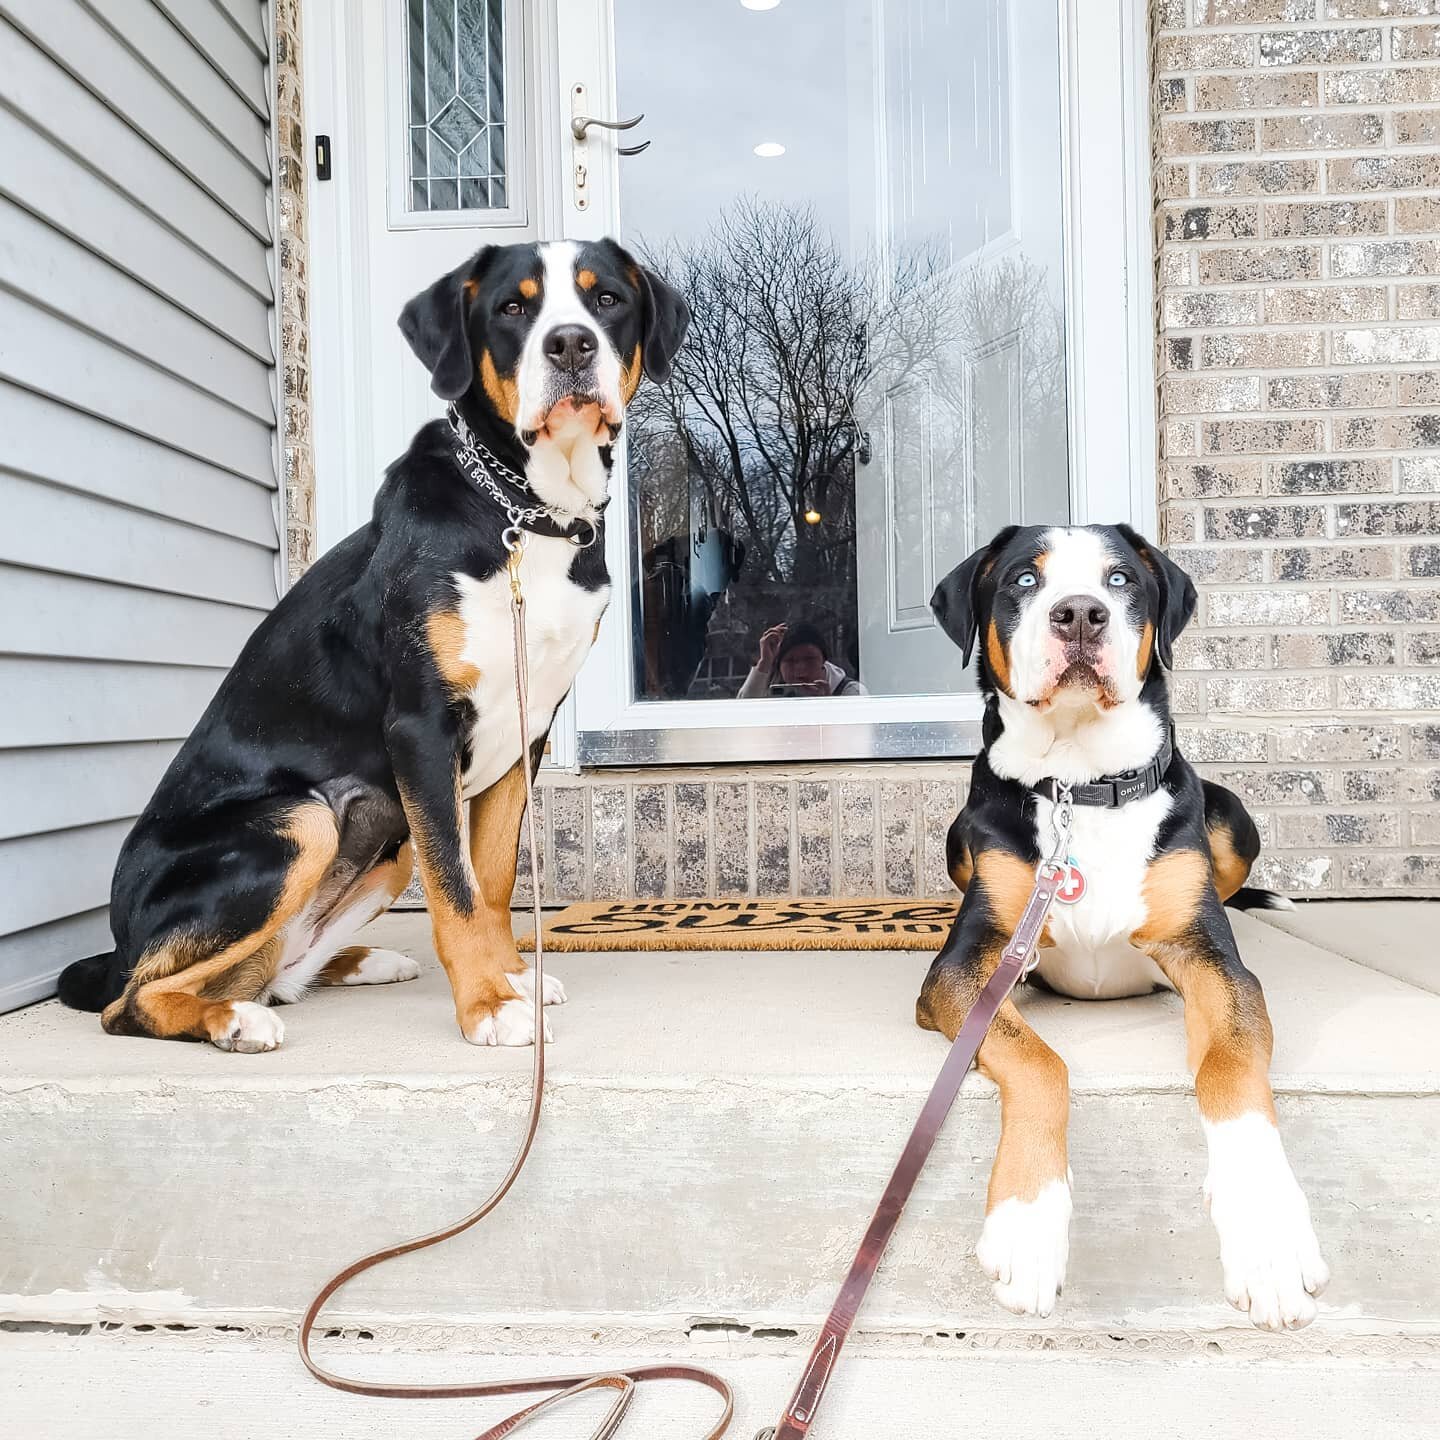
x: 749, y: 925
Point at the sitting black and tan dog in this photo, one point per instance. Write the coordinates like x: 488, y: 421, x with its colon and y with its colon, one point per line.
x: 1074, y: 629
x: 373, y: 712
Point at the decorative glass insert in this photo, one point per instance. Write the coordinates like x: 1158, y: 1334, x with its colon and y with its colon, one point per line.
x: 456, y: 56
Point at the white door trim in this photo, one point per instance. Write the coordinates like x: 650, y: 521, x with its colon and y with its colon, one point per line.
x: 339, y: 274
x: 1110, y: 282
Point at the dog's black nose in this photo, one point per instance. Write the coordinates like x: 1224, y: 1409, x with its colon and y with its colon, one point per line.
x: 1078, y: 618
x: 570, y: 347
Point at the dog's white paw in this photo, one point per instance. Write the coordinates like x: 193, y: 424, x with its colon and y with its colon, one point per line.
x: 252, y: 1028
x: 383, y: 967
x: 512, y: 1024
x: 1024, y: 1246
x: 554, y: 988
x: 1272, y: 1261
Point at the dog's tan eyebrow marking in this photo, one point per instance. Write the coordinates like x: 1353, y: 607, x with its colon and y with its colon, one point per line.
x: 585, y: 279
x: 1039, y: 562
x: 529, y: 288
x: 471, y: 289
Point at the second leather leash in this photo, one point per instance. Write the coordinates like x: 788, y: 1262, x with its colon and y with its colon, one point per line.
x: 1017, y: 960
x: 565, y: 1387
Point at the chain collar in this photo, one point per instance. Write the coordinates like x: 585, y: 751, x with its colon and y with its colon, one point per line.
x: 487, y: 470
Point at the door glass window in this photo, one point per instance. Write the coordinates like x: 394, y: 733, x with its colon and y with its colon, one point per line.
x: 861, y: 200
x: 456, y: 118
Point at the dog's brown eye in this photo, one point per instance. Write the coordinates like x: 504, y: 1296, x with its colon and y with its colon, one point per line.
x: 512, y: 307
x: 609, y: 298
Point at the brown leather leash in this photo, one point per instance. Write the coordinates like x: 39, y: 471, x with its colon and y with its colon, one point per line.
x: 1016, y: 962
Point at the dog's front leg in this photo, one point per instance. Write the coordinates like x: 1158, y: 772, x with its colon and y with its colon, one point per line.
x: 1026, y: 1240
x: 1268, y: 1250
x: 471, y: 924
x: 495, y: 816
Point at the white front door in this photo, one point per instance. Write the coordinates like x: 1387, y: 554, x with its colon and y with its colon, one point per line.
x: 902, y: 261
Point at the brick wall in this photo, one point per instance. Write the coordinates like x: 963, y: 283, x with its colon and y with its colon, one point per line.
x: 1297, y: 189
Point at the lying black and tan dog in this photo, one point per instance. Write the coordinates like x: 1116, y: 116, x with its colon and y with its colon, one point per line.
x: 1074, y: 629
x: 373, y: 712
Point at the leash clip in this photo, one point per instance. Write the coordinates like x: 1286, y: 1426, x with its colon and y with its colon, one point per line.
x: 1062, y: 817
x: 513, y: 539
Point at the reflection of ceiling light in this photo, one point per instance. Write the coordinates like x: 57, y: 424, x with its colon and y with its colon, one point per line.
x: 812, y: 516
x: 769, y: 149
x: 759, y: 4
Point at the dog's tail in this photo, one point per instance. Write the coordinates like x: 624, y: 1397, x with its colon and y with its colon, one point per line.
x: 89, y: 984
x: 1247, y: 897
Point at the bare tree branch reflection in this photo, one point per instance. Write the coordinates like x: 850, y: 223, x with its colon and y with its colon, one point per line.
x: 793, y: 346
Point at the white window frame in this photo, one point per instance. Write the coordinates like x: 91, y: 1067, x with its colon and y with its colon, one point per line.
x: 397, y: 127
x: 1110, y: 359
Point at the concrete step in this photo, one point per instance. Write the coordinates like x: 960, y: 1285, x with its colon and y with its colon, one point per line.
x: 718, y: 1130
x: 134, y: 1391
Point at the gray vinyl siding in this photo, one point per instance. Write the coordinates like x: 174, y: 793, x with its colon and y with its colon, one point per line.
x: 138, y: 488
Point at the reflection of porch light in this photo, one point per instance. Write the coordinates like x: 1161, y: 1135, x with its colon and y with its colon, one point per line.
x: 769, y: 149
x: 759, y: 4
x: 812, y: 516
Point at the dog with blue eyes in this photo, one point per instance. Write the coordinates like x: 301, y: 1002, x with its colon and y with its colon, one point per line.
x: 1074, y: 630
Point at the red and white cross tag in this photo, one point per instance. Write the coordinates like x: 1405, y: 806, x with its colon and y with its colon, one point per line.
x: 1072, y: 886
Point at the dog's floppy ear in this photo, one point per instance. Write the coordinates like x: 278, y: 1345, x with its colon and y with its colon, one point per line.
x: 956, y: 601
x: 1177, y: 594
x: 664, y: 318
x: 436, y: 323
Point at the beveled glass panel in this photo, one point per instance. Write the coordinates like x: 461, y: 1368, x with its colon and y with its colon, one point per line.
x: 455, y: 61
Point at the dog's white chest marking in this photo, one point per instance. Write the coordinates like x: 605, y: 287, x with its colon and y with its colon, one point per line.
x: 560, y: 621
x: 1092, y: 957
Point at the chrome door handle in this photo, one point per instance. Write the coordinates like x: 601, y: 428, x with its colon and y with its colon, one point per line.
x: 580, y: 124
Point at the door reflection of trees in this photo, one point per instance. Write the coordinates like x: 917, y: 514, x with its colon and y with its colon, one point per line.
x: 743, y: 468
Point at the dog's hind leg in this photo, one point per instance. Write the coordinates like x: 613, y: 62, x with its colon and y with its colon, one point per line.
x: 203, y: 982
x: 373, y: 894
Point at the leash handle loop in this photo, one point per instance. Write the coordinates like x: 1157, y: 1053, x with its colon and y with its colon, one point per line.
x: 564, y: 1387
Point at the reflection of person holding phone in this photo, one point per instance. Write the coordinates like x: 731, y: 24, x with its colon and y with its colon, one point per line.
x: 793, y: 661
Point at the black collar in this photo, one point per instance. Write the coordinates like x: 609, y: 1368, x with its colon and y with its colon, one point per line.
x: 491, y: 476
x: 1113, y: 791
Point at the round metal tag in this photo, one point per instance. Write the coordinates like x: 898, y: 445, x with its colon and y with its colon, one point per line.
x: 1072, y: 887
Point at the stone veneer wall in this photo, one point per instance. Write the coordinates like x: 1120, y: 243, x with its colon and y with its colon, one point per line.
x: 292, y: 163
x: 843, y: 829
x: 1298, y: 285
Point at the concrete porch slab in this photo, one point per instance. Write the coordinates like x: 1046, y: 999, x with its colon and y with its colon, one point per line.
x: 126, y: 1390
x: 1396, y: 937
x: 718, y: 1129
